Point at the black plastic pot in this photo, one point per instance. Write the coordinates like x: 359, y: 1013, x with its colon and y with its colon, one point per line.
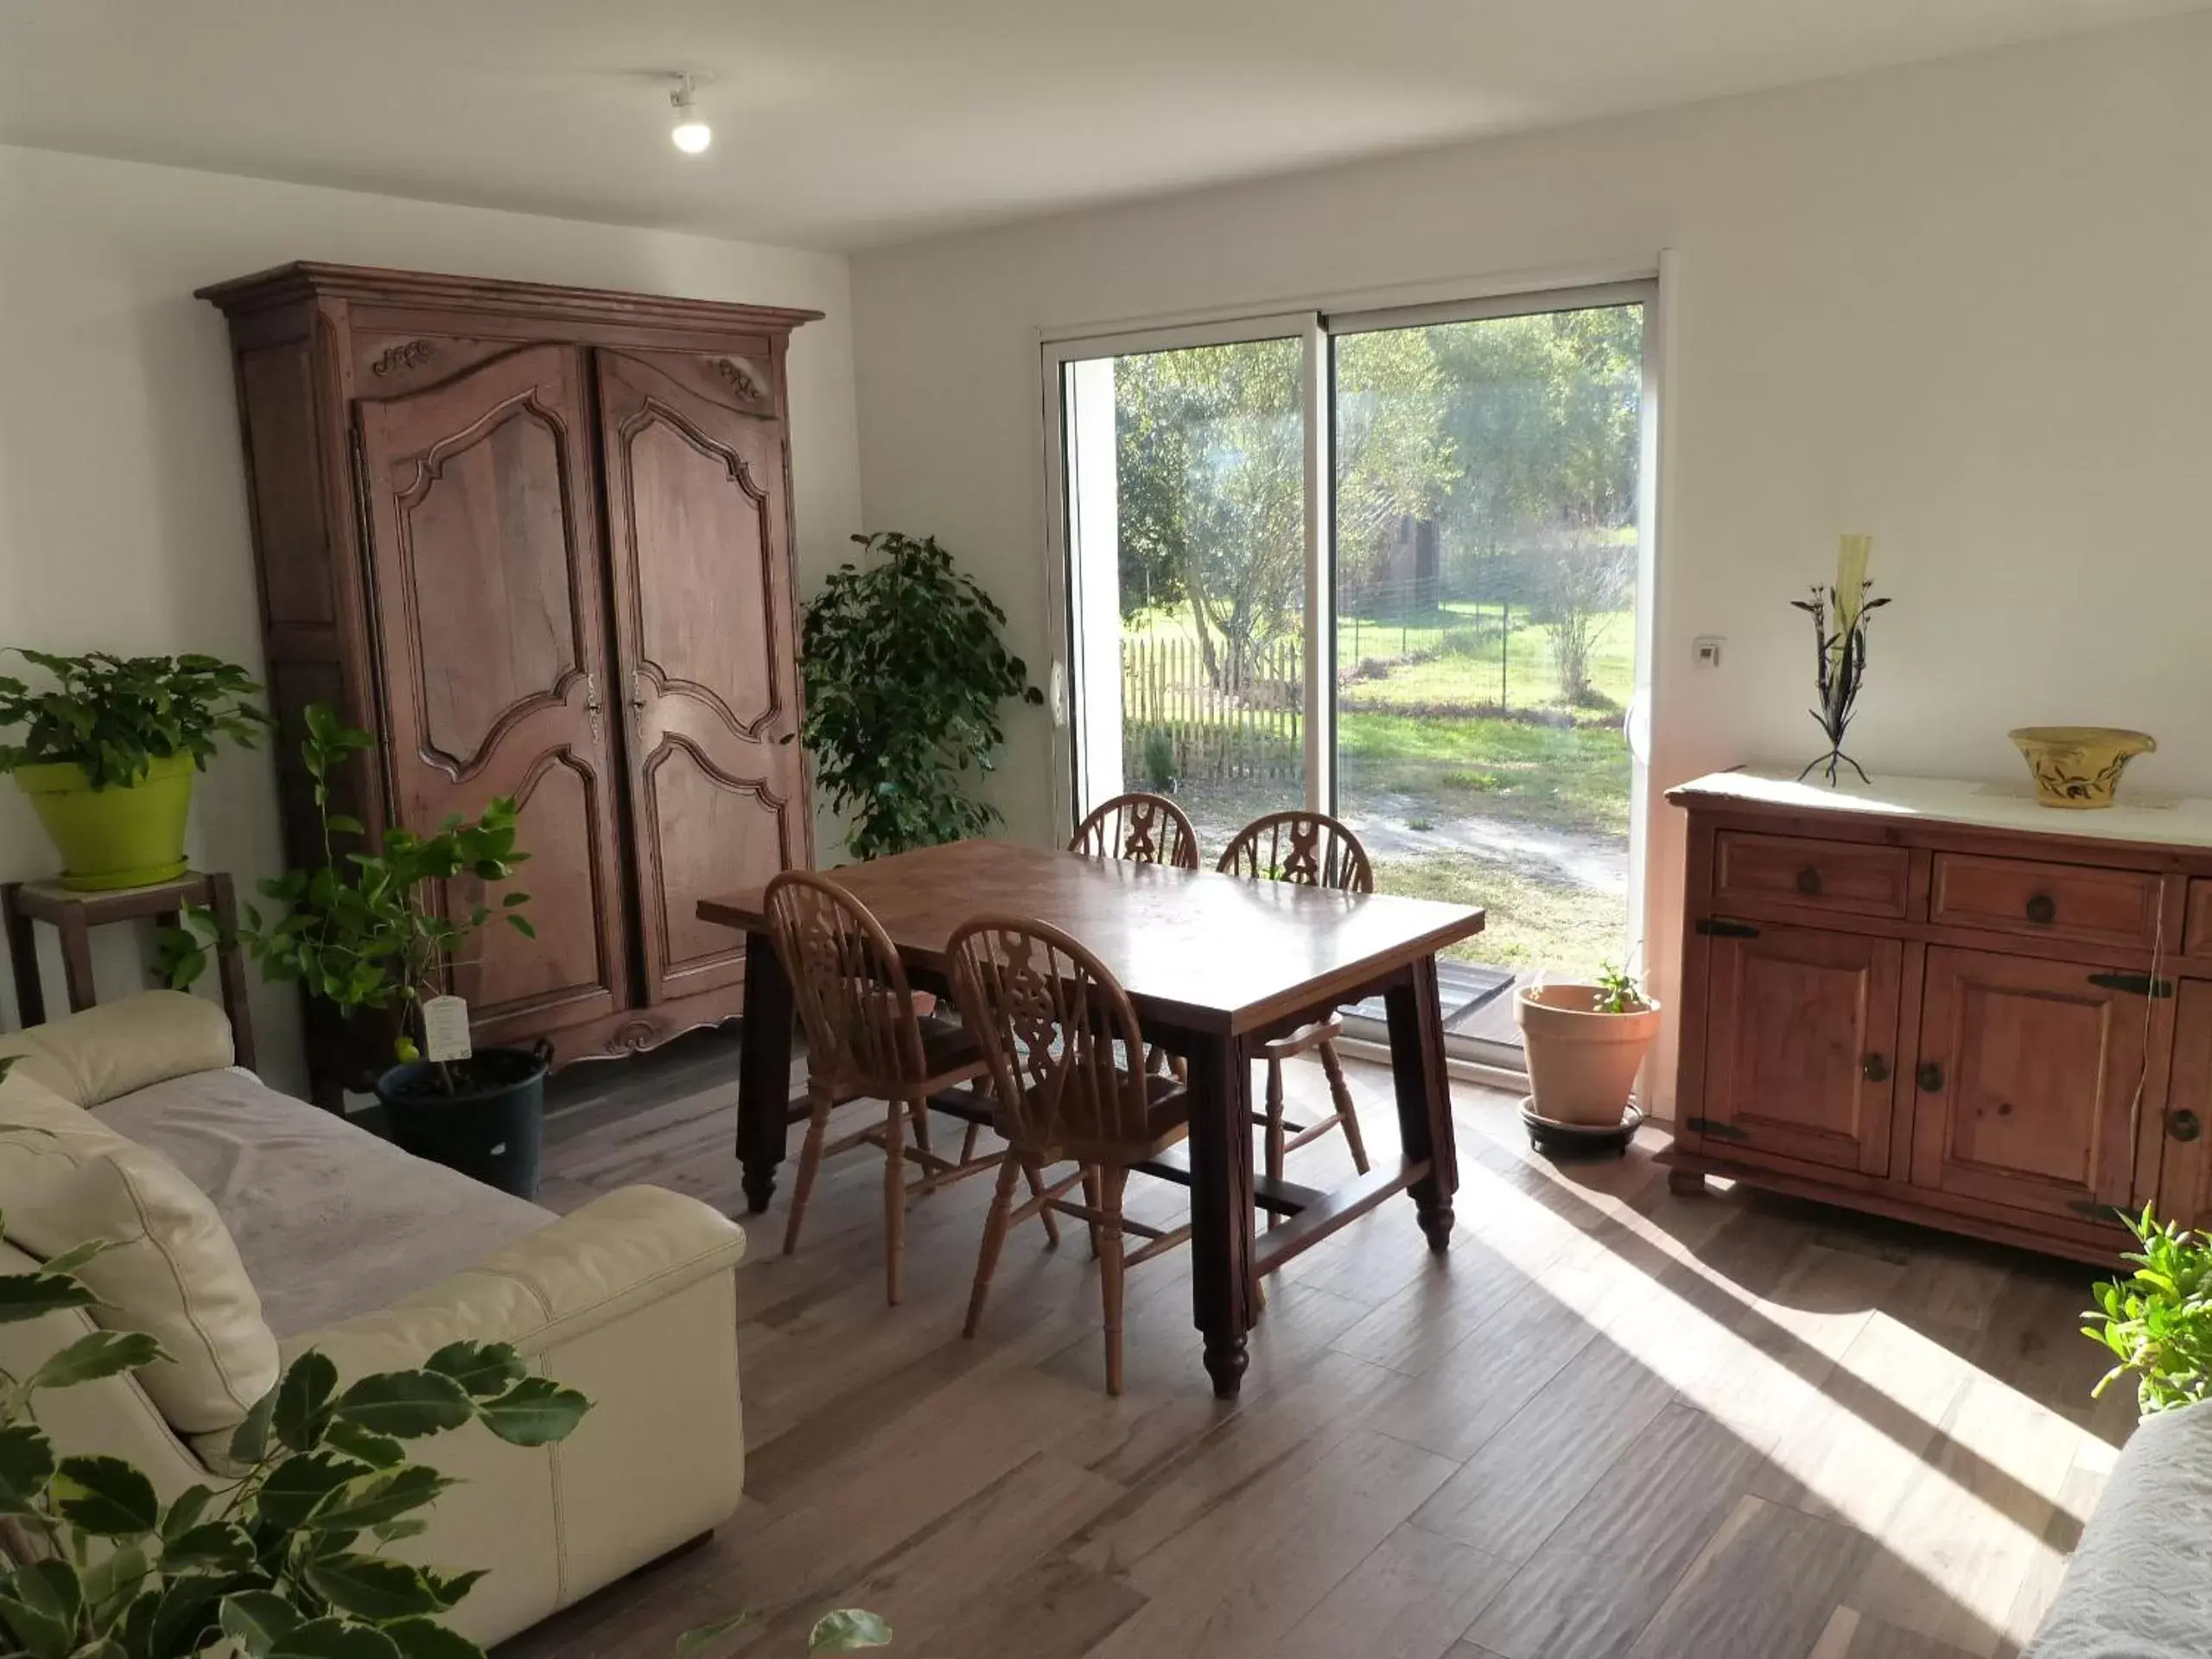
x: 491, y: 1129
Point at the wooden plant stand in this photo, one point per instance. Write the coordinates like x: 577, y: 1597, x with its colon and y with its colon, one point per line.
x: 73, y: 915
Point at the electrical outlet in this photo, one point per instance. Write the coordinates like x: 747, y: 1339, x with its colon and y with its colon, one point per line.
x: 1706, y: 650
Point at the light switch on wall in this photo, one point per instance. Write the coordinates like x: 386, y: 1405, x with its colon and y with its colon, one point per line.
x: 1706, y: 650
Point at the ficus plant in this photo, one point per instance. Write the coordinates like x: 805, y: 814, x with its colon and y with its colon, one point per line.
x: 905, y: 674
x: 366, y: 930
x: 286, y: 1559
x: 283, y: 1555
x: 2157, y: 1321
x: 115, y: 715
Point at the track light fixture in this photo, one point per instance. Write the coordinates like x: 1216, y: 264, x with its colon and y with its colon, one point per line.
x: 691, y: 133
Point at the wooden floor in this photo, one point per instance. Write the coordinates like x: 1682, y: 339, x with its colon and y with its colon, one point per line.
x: 1612, y: 1422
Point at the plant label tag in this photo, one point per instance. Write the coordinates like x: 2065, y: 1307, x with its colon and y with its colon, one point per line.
x: 445, y: 1029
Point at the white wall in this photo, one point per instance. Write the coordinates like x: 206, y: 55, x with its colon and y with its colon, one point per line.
x: 1957, y: 304
x: 123, y: 520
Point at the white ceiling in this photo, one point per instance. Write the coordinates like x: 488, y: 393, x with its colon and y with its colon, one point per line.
x: 846, y: 124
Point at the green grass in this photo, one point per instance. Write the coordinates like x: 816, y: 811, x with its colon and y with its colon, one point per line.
x: 1562, y: 929
x: 1560, y: 777
x: 1530, y: 679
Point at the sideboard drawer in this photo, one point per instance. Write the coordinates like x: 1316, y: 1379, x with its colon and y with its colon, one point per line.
x: 1840, y: 875
x: 2060, y: 901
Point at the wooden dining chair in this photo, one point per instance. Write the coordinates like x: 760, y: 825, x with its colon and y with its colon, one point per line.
x: 1314, y: 850
x: 865, y: 1040
x: 1141, y: 828
x: 1054, y: 1025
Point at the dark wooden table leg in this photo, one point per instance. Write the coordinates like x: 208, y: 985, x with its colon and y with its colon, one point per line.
x: 230, y: 968
x: 1424, y: 1093
x: 1221, y: 1206
x: 763, y: 1078
x: 22, y: 958
x: 77, y: 959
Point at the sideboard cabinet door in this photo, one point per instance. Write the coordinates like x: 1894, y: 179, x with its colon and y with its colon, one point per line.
x: 2027, y: 1082
x: 1801, y: 1045
x: 2185, y: 1168
x: 698, y: 518
x: 482, y: 552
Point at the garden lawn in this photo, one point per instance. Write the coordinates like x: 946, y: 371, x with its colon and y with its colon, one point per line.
x: 1573, y: 778
x: 1561, y: 929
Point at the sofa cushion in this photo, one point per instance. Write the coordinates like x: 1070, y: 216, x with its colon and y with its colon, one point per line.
x: 174, y: 1270
x: 330, y: 1220
x: 100, y: 1052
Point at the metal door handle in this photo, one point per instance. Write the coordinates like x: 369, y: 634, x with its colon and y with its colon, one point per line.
x: 2183, y: 1125
x: 1877, y: 1069
x: 2043, y: 910
x: 1808, y: 882
x: 1931, y: 1078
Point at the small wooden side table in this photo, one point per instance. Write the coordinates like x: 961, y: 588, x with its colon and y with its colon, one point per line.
x: 74, y: 914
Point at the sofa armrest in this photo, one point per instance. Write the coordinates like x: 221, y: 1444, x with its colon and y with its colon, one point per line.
x: 101, y: 1052
x: 624, y: 1250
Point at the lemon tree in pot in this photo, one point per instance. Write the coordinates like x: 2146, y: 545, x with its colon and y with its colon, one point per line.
x: 107, y: 750
x: 367, y: 930
x: 1585, y: 1041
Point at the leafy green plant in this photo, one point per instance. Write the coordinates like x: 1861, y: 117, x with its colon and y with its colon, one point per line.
x: 114, y: 715
x: 1158, y: 760
x: 363, y: 931
x: 1617, y: 991
x: 905, y: 673
x: 2157, y: 1321
x: 286, y: 1559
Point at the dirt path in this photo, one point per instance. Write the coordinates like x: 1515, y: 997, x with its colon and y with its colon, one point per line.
x: 1597, y: 863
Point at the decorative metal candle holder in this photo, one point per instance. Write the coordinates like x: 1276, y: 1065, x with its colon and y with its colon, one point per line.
x: 1840, y: 665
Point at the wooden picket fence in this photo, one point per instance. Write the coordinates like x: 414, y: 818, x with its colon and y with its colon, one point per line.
x: 1250, y: 729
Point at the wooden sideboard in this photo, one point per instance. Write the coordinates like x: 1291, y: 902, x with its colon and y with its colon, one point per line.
x: 1942, y: 1001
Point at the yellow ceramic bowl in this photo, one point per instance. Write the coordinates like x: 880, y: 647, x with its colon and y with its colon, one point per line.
x: 2079, y: 766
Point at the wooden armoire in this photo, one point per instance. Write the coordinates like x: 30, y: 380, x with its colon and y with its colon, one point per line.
x: 537, y: 540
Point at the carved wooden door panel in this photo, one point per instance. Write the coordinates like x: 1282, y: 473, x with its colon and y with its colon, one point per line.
x: 2031, y: 1074
x: 489, y: 607
x: 699, y: 527
x: 1801, y: 1039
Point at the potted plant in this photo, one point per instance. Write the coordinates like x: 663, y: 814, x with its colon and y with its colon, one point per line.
x: 366, y: 930
x: 286, y: 1559
x: 2157, y: 1321
x: 1585, y: 1042
x: 904, y: 672
x: 107, y: 753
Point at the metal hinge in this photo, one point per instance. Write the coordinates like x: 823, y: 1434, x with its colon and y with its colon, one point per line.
x: 2134, y: 984
x: 1713, y: 1131
x: 1714, y: 928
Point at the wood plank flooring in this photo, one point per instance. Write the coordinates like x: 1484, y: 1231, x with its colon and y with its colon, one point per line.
x: 1612, y: 1422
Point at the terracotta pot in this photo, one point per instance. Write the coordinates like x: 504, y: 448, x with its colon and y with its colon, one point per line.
x: 1582, y: 1064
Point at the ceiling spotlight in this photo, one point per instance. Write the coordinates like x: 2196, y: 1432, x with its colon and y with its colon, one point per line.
x: 691, y: 133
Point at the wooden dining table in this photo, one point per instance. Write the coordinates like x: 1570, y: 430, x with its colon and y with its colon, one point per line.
x: 1215, y: 965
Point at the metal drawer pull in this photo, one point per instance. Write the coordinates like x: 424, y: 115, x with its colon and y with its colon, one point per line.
x: 2043, y: 910
x: 1876, y: 1070
x: 2183, y: 1126
x: 1931, y: 1078
x: 1808, y: 882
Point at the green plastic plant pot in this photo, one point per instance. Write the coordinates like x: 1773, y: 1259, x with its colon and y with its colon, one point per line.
x: 126, y: 837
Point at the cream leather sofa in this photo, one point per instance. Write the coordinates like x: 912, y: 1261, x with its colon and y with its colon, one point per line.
x: 252, y: 1226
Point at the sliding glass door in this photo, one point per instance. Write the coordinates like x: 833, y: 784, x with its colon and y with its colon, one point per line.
x: 1386, y: 565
